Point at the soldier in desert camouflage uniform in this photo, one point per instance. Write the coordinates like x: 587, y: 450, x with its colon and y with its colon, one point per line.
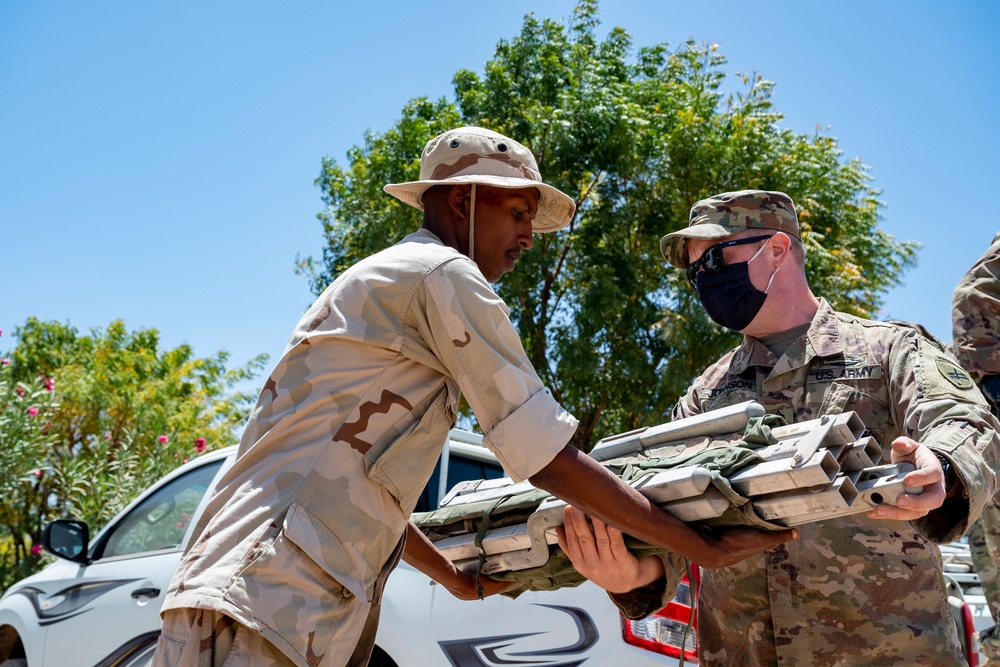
x: 865, y: 589
x: 293, y: 551
x: 976, y: 342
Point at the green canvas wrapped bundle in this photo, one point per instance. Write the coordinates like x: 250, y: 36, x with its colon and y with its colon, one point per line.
x: 721, y: 456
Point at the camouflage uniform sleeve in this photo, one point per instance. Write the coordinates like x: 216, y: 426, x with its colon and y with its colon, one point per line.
x: 688, y: 404
x: 975, y: 312
x: 649, y: 599
x: 935, y: 402
x: 467, y: 326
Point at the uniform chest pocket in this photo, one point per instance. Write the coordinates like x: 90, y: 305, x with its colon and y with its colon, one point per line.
x: 832, y: 398
x: 837, y: 397
x: 404, y: 458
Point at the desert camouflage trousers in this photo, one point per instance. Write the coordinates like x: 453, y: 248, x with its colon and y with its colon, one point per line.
x: 207, y: 638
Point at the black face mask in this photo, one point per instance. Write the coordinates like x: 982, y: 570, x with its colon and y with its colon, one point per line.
x: 729, y: 297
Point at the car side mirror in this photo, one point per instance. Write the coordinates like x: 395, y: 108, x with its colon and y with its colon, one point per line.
x: 67, y: 538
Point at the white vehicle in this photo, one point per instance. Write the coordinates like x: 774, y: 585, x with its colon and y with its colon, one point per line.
x: 963, y: 582
x: 99, y: 604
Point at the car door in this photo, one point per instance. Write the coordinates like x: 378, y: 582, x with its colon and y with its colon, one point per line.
x: 109, y: 612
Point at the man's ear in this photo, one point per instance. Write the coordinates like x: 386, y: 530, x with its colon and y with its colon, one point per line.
x: 459, y: 200
x: 781, y: 247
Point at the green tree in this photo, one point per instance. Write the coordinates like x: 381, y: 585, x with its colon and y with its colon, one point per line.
x: 88, y: 421
x: 635, y: 136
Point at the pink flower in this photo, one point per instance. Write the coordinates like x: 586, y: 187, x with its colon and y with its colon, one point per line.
x: 50, y: 384
x: 163, y: 439
x: 36, y: 473
x: 4, y: 362
x: 36, y: 549
x: 199, y: 445
x: 107, y: 436
x: 32, y: 411
x: 20, y: 391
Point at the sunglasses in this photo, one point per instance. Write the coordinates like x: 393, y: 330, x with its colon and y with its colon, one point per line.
x: 712, y: 261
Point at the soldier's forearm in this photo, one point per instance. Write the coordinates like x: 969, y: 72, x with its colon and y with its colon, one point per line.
x: 421, y: 553
x: 578, y: 479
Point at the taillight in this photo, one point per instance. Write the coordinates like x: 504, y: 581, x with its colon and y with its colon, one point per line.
x: 971, y: 638
x: 669, y: 630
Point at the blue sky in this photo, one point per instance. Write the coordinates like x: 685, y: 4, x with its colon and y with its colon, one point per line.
x: 157, y: 159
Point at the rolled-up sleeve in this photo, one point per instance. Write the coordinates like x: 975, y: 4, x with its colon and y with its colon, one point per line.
x: 540, y: 422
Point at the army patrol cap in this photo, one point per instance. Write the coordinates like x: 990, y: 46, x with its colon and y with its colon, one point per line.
x: 478, y: 155
x: 730, y: 213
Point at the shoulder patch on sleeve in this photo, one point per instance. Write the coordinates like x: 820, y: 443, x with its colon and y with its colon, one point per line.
x: 953, y: 373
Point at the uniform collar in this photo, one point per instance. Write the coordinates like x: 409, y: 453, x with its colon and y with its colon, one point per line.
x: 821, y: 340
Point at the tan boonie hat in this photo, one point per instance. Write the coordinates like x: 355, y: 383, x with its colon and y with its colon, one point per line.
x: 478, y: 155
x: 730, y: 213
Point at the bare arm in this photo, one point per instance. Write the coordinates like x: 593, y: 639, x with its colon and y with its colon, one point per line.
x: 586, y: 484
x: 421, y: 553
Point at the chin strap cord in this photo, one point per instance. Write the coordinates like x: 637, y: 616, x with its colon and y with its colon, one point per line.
x: 472, y: 225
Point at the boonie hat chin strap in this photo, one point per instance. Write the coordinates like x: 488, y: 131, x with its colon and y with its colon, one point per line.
x: 472, y: 225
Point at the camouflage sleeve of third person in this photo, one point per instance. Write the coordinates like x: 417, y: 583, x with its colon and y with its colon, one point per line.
x: 976, y: 322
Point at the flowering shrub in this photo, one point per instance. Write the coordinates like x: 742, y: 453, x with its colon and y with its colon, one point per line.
x: 127, y: 413
x: 26, y: 440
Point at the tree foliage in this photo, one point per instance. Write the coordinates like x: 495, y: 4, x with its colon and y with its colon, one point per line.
x: 635, y: 136
x: 89, y: 421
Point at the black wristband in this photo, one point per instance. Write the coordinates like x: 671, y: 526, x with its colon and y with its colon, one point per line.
x: 947, y: 471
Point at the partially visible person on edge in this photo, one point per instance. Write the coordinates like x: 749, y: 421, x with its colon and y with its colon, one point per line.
x: 975, y: 318
x: 865, y: 589
x: 289, y: 563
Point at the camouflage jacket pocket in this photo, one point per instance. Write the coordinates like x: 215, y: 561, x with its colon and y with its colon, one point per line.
x: 831, y: 399
x: 348, y: 564
x: 302, y: 584
x: 403, y: 460
x: 840, y: 397
x: 303, y: 558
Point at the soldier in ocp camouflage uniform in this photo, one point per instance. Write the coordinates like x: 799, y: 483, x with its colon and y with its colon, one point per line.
x: 292, y: 553
x: 976, y: 342
x: 975, y: 311
x: 859, y: 590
